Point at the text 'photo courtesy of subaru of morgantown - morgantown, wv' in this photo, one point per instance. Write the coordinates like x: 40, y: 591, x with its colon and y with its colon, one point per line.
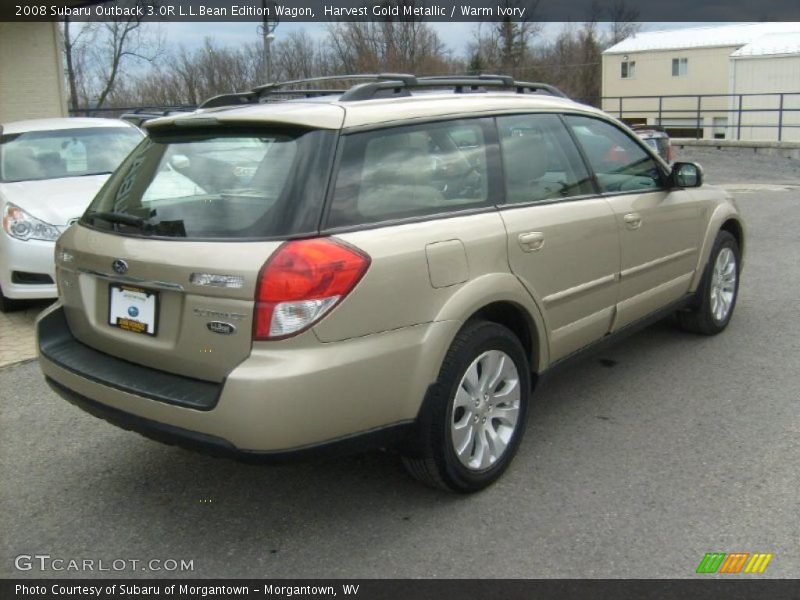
x: 284, y: 272
x: 50, y: 169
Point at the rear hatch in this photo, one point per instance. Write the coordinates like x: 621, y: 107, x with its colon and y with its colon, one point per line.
x: 162, y: 269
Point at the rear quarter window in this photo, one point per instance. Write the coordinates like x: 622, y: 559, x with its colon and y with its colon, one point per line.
x: 406, y: 172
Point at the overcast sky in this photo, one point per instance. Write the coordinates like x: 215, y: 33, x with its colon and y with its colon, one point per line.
x: 455, y: 35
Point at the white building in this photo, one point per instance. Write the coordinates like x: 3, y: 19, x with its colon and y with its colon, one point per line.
x: 769, y: 64
x: 661, y: 77
x: 32, y: 81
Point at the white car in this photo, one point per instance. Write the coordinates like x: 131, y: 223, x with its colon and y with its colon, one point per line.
x: 50, y: 169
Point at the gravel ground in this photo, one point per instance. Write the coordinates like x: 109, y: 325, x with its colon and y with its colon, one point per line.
x: 741, y: 166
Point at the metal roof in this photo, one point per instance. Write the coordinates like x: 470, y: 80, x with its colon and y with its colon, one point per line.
x: 771, y: 44
x: 701, y: 37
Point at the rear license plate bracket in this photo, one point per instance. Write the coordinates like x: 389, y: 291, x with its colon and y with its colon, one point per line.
x: 133, y: 309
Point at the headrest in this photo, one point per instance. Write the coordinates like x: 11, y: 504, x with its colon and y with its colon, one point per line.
x: 397, y: 159
x: 525, y: 158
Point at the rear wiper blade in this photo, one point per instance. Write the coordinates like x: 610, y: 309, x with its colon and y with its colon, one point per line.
x: 115, y: 217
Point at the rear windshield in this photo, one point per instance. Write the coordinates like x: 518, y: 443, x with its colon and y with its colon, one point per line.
x: 61, y: 153
x: 230, y: 184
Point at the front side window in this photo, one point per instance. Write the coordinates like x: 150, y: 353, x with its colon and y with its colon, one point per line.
x: 412, y: 171
x: 628, y: 69
x: 620, y: 164
x: 680, y: 67
x: 217, y: 185
x: 540, y: 159
x: 55, y: 154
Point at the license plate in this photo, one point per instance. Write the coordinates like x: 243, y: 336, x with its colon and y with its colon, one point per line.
x: 133, y: 309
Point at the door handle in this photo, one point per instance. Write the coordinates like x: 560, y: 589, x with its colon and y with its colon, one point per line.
x: 633, y: 220
x: 532, y: 241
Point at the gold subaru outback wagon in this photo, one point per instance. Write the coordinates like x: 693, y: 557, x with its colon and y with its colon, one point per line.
x: 292, y: 270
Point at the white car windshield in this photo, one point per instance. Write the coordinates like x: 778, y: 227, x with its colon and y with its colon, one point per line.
x: 64, y: 153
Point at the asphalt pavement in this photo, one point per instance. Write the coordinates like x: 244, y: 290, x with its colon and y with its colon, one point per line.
x: 636, y: 463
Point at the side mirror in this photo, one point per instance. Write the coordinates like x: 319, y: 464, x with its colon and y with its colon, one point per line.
x: 687, y: 175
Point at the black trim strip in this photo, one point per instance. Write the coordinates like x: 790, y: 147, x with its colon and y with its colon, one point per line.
x: 620, y: 334
x: 388, y: 436
x: 58, y: 345
x: 409, y: 220
x: 598, y: 191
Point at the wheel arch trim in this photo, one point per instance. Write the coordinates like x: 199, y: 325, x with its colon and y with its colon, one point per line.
x: 487, y: 297
x: 724, y: 218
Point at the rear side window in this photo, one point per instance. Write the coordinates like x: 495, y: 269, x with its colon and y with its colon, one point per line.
x: 225, y: 185
x: 620, y: 164
x: 411, y: 171
x: 540, y: 160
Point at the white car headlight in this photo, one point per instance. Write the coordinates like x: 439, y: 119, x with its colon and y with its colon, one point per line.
x: 22, y: 226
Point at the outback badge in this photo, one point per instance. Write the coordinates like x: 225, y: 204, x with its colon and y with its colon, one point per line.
x: 120, y: 266
x: 220, y: 327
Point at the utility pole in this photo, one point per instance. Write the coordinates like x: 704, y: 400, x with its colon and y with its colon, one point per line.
x: 267, y: 31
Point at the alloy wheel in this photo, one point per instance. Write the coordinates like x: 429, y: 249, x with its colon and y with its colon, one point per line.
x: 723, y: 285
x: 485, y: 410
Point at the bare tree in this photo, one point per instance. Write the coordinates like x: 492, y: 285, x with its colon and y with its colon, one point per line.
x: 484, y: 49
x: 296, y: 56
x: 572, y: 61
x: 187, y: 77
x: 623, y: 20
x: 123, y: 40
x: 588, y: 86
x: 507, y: 46
x: 515, y: 38
x: 406, y: 45
x: 100, y: 52
x: 77, y: 42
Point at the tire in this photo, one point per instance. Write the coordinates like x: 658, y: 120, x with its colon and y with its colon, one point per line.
x: 7, y: 304
x: 715, y: 299
x: 487, y: 426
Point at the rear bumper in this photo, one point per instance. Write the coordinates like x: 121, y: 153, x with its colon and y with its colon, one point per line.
x: 278, y: 402
x: 59, y: 346
x: 33, y: 256
x: 215, y: 446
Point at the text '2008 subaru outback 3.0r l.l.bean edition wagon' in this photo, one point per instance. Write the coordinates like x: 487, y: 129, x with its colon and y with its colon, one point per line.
x: 392, y: 265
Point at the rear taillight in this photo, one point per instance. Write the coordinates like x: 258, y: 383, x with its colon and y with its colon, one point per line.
x: 302, y: 282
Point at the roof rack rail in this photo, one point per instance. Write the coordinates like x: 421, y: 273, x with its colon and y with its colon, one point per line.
x: 507, y: 79
x: 379, y: 84
x: 460, y: 84
x: 277, y: 88
x: 307, y: 93
x: 646, y: 127
x: 229, y: 100
x: 378, y: 76
x: 161, y: 109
